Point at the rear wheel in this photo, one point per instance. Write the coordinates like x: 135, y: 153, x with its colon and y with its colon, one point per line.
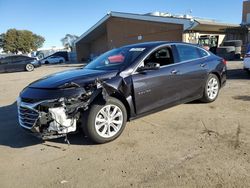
x: 212, y: 89
x: 29, y: 67
x: 105, y: 122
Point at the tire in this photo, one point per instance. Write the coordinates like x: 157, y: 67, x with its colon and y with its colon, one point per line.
x: 61, y: 61
x: 210, y: 95
x: 29, y: 67
x: 46, y: 62
x: 100, y: 129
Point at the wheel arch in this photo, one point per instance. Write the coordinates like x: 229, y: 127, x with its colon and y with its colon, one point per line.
x: 121, y: 98
x: 216, y: 74
x: 100, y: 99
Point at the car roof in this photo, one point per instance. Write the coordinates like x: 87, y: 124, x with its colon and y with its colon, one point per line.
x: 146, y: 44
x: 155, y: 44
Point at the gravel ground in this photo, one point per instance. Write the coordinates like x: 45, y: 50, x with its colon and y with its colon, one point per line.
x: 191, y: 145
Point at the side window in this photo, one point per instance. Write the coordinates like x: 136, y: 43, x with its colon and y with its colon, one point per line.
x: 203, y: 53
x: 18, y: 59
x: 187, y: 52
x: 162, y: 56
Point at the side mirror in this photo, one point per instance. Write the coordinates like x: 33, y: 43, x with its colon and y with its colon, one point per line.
x: 149, y: 66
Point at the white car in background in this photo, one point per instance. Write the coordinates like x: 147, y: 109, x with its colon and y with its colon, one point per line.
x: 246, y: 62
x: 53, y: 60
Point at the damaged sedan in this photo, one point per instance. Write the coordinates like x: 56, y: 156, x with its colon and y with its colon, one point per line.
x: 118, y: 86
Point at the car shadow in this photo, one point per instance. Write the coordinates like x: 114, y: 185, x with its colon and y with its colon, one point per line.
x: 73, y: 139
x: 237, y: 74
x: 12, y: 135
x: 242, y: 97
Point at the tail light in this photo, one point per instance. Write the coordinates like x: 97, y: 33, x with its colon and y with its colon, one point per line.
x: 224, y: 61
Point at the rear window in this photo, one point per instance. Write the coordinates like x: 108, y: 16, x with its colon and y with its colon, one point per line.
x: 187, y: 52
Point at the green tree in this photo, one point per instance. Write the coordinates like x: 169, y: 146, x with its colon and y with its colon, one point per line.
x: 24, y: 41
x: 2, y: 40
x: 37, y: 41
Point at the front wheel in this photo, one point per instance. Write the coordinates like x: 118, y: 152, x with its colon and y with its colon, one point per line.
x: 105, y: 122
x: 212, y: 89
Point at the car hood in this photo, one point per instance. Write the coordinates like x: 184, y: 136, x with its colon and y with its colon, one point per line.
x: 80, y: 76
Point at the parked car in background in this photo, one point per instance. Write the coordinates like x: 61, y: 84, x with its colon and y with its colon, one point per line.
x: 120, y: 85
x: 41, y: 54
x: 246, y: 62
x: 18, y: 63
x: 230, y: 50
x: 53, y: 60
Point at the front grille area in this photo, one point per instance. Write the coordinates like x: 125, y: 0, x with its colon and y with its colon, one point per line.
x: 27, y: 117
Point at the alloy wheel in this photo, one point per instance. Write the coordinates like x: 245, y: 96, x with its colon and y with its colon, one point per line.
x: 108, y: 121
x: 212, y: 88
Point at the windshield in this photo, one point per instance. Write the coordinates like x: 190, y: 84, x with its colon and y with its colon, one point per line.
x: 115, y: 59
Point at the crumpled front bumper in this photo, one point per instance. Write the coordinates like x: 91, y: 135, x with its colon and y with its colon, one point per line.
x: 29, y: 119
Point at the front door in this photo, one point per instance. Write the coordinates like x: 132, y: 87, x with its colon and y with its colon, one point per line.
x: 157, y: 88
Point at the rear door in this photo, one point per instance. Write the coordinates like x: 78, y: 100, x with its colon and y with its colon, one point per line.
x: 157, y: 88
x: 193, y: 68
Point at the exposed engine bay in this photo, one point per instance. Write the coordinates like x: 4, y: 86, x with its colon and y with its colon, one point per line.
x: 55, y: 118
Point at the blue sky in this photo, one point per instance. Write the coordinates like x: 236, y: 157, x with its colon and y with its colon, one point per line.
x: 55, y: 18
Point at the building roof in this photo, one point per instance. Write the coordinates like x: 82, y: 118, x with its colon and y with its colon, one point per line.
x: 188, y: 23
x: 212, y: 25
x: 100, y: 24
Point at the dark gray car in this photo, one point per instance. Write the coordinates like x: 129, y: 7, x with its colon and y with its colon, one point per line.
x: 120, y: 85
x: 15, y: 63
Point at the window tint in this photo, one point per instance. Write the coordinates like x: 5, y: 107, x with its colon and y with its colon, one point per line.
x: 187, y: 52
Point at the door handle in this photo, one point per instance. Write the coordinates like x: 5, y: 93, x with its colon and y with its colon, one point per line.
x: 174, y: 71
x: 203, y: 65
